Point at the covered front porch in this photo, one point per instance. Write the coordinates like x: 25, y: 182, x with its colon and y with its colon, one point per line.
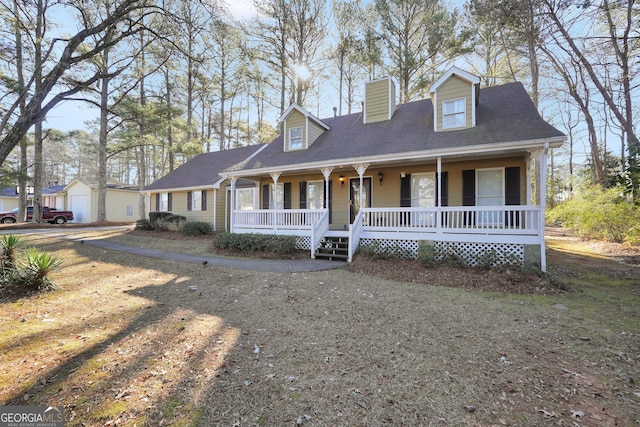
x: 359, y: 207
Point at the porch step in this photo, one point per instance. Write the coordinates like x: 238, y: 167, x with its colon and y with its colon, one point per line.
x: 333, y: 249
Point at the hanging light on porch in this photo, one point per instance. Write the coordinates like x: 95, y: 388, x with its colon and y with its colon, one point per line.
x: 380, y: 176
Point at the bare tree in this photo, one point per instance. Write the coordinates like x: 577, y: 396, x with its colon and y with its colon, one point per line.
x: 76, y: 50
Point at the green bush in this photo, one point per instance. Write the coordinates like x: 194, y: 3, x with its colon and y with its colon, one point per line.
x: 599, y: 213
x: 10, y: 245
x: 196, y: 229
x: 164, y: 220
x: 144, y: 224
x: 254, y: 243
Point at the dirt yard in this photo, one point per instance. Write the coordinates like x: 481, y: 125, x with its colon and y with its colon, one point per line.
x: 134, y: 341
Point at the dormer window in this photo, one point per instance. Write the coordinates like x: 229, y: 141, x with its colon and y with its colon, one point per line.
x: 453, y: 113
x: 295, y: 138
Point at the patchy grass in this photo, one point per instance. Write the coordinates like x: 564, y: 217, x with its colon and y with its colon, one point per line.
x: 126, y: 342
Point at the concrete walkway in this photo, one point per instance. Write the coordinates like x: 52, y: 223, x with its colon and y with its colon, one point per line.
x: 252, y: 264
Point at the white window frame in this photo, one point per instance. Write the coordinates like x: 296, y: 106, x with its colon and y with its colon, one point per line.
x: 313, y: 199
x: 299, y: 144
x: 252, y: 196
x: 455, y: 114
x: 164, y: 202
x: 129, y: 211
x: 196, y: 200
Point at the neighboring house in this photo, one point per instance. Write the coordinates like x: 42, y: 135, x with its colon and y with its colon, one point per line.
x: 8, y: 199
x: 453, y: 171
x: 53, y: 196
x: 122, y: 202
x: 196, y: 191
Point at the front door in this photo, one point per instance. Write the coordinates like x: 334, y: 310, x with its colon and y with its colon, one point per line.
x: 354, y: 196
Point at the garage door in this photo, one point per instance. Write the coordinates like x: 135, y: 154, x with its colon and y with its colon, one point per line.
x: 80, y: 208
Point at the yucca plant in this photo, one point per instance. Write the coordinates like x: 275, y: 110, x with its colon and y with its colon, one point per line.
x: 36, y: 270
x: 10, y: 245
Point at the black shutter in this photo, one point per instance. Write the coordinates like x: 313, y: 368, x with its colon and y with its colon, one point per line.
x: 303, y: 195
x: 512, y: 185
x: 469, y: 193
x: 287, y: 195
x: 405, y: 197
x: 444, y: 185
x: 204, y: 200
x: 265, y: 196
x: 512, y: 194
x: 158, y: 202
x: 189, y: 200
x: 170, y: 202
x: 444, y: 197
x: 405, y: 191
x: 469, y: 187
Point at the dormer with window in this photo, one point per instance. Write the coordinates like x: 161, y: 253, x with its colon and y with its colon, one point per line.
x: 455, y: 97
x: 301, y: 128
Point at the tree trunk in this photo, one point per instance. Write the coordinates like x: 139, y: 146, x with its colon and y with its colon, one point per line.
x: 37, y: 134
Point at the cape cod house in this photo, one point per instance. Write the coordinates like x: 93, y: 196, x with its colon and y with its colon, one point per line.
x: 452, y: 172
x: 196, y: 190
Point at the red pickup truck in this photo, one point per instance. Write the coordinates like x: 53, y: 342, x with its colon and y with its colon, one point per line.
x: 51, y: 216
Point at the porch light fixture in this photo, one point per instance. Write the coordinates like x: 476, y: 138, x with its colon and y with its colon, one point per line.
x: 380, y: 176
x: 341, y: 180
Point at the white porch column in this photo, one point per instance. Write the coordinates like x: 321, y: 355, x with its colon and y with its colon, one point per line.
x: 361, y: 169
x: 274, y: 215
x: 439, y: 201
x: 274, y: 177
x: 233, y: 203
x: 541, y: 159
x: 327, y: 173
x: 528, y: 176
x: 215, y: 208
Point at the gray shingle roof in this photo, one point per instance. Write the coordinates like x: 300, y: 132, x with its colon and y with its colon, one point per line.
x: 203, y: 170
x: 504, y: 114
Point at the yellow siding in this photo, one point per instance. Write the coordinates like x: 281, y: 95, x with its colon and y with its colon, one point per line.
x: 455, y: 88
x: 377, y: 101
x: 296, y: 119
x: 117, y: 202
x: 314, y: 131
x: 179, y: 207
x: 220, y: 206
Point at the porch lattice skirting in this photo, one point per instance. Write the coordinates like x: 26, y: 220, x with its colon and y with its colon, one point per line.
x: 303, y: 243
x: 475, y: 254
x: 472, y: 254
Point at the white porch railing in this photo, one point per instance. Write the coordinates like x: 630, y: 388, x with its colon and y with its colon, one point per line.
x: 318, y: 231
x: 276, y: 219
x: 490, y: 224
x: 459, y: 223
x: 355, y: 230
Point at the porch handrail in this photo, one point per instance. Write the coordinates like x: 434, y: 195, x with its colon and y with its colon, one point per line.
x: 318, y: 231
x: 505, y: 219
x: 354, y: 235
x: 277, y: 219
